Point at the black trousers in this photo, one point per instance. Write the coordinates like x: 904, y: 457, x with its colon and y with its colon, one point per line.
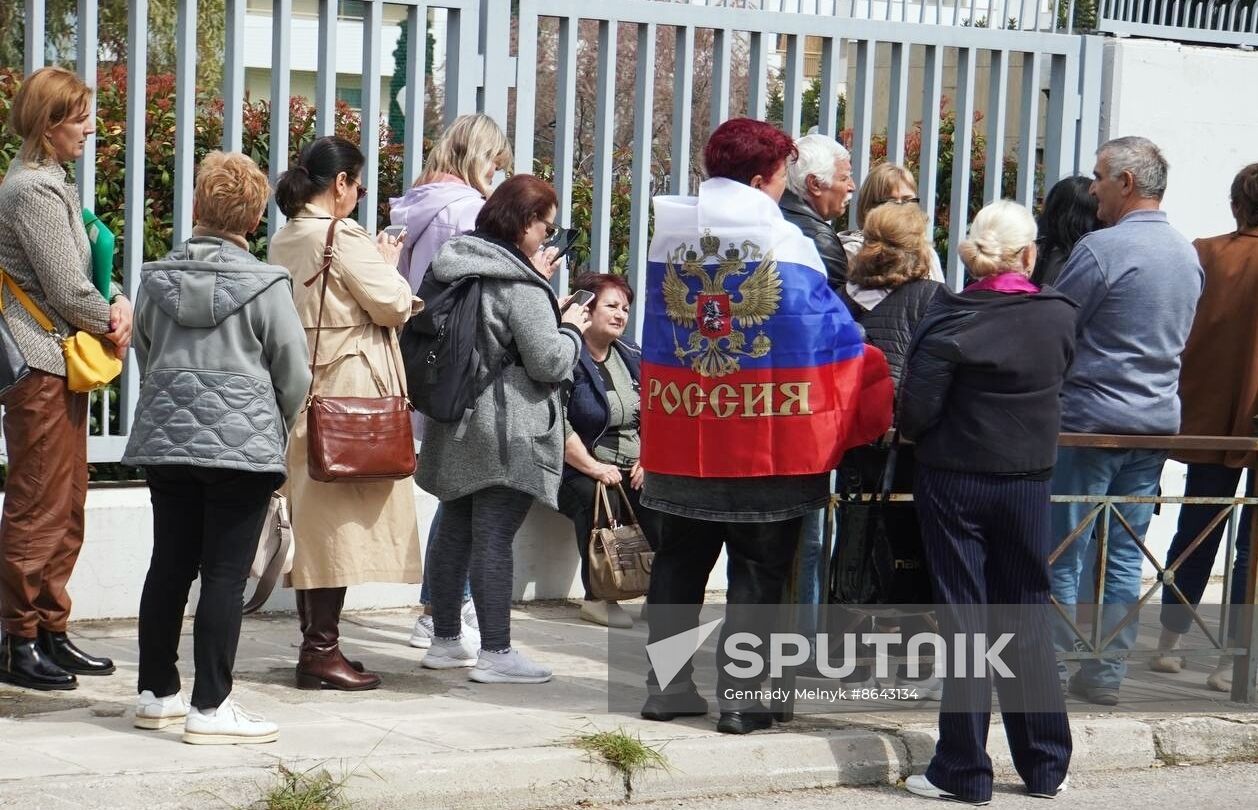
x: 206, y: 522
x: 761, y: 556
x: 987, y: 540
x: 1207, y: 481
x: 576, y: 502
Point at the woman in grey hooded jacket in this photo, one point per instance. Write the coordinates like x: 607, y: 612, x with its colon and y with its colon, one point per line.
x: 223, y: 364
x: 443, y: 203
x: 512, y: 449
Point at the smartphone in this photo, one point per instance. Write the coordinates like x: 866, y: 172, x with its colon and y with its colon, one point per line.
x: 581, y: 298
x: 563, y: 239
x: 395, y: 231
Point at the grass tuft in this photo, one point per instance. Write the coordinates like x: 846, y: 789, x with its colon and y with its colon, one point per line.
x: 311, y: 789
x: 624, y: 752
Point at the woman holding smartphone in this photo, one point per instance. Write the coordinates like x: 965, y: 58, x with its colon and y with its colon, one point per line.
x: 601, y: 427
x: 442, y: 204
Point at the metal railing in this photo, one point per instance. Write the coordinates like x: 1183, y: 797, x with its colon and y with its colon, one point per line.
x: 1096, y: 645
x: 1021, y: 15
x: 908, y: 89
x: 1098, y: 520
x: 1214, y: 22
x: 462, y: 74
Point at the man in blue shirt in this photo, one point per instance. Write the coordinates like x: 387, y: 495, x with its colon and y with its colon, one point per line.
x: 1137, y: 283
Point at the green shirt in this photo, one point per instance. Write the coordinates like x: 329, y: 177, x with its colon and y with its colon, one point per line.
x: 620, y: 444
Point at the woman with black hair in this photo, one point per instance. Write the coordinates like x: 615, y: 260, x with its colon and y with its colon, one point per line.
x: 345, y: 533
x: 1069, y: 213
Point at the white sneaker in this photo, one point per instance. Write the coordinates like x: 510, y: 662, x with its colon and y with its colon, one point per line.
x: 511, y: 666
x: 1220, y: 680
x: 449, y: 653
x: 421, y: 636
x: 229, y: 724
x: 928, y: 688
x: 470, y: 622
x: 608, y: 614
x: 919, y: 785
x: 152, y: 712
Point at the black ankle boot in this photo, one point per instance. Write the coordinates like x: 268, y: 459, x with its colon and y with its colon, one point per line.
x: 23, y: 664
x: 64, y: 654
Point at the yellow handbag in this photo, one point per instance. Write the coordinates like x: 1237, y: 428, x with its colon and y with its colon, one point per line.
x: 89, y: 363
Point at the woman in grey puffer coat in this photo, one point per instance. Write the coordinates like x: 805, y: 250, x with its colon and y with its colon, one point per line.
x: 510, y: 453
x: 223, y: 362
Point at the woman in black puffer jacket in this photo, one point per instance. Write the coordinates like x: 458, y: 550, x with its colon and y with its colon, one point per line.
x: 889, y: 285
x: 888, y: 291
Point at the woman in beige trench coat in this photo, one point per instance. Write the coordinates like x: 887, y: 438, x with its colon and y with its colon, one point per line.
x: 344, y: 533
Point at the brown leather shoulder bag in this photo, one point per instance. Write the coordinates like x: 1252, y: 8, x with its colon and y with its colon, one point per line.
x: 354, y: 439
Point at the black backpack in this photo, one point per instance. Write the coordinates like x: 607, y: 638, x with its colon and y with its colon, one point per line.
x: 443, y: 367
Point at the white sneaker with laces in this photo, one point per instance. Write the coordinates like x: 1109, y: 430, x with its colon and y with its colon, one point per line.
x: 229, y: 724
x: 919, y: 785
x: 152, y: 712
x: 511, y: 666
x: 449, y: 653
x: 421, y: 636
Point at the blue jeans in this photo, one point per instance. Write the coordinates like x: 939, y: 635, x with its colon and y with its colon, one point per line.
x: 1089, y: 471
x: 424, y: 598
x: 811, y: 577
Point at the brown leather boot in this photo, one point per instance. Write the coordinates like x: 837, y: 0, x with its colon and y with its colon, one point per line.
x: 357, y: 666
x: 321, y: 665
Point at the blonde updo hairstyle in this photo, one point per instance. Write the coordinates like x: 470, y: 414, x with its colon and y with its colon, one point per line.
x: 998, y: 239
x: 896, y: 250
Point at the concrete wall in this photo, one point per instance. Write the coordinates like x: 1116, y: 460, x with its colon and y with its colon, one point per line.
x: 1198, y: 105
x: 110, y: 573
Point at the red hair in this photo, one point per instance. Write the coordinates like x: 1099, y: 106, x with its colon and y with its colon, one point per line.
x: 597, y: 283
x: 742, y: 148
x: 515, y: 205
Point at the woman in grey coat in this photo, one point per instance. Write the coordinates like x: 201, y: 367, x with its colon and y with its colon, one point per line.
x: 223, y: 364
x: 511, y: 452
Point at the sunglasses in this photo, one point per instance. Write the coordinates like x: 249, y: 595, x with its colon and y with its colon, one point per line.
x: 551, y: 228
x: 362, y: 192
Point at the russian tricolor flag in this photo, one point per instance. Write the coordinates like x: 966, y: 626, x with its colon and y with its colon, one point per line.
x: 751, y: 364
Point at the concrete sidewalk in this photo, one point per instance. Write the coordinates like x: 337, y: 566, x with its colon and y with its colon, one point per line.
x: 433, y: 739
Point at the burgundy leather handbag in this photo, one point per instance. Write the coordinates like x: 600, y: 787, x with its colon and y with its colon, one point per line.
x: 354, y: 439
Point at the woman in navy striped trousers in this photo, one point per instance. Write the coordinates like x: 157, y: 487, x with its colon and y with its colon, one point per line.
x: 980, y: 399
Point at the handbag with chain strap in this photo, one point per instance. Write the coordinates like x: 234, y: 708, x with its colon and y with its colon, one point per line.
x: 354, y: 439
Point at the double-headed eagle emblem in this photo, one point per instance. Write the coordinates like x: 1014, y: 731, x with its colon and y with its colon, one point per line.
x: 715, y: 347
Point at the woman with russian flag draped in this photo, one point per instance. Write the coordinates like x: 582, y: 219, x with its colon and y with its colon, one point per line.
x: 754, y: 381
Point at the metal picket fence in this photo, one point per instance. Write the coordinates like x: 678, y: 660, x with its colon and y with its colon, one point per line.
x: 911, y: 76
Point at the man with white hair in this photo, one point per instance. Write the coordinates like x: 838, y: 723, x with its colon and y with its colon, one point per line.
x: 818, y: 188
x: 1136, y: 283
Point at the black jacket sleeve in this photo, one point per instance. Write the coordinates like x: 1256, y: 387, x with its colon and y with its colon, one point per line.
x: 932, y: 360
x: 834, y: 257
